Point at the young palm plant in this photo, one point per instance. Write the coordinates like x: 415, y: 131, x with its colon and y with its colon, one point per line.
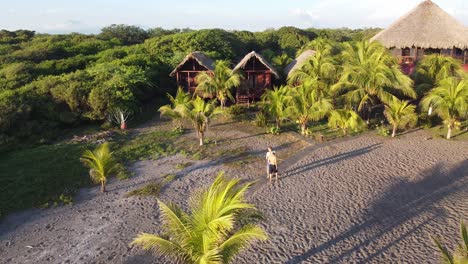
x: 449, y: 101
x: 371, y: 75
x: 275, y: 103
x: 461, y: 255
x: 346, y: 120
x: 218, y: 84
x: 306, y: 105
x: 400, y: 114
x: 210, y: 233
x: 199, y: 113
x: 101, y: 164
x: 178, y: 108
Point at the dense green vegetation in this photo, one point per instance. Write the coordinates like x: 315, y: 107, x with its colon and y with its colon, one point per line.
x: 48, y: 82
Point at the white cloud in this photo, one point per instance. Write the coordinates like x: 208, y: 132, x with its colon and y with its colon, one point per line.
x: 304, y: 13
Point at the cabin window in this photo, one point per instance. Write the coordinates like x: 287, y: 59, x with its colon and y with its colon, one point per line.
x: 458, y: 52
x: 431, y: 51
x: 406, y: 52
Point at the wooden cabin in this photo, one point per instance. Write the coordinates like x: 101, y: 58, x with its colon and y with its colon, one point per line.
x: 190, y: 67
x: 427, y: 29
x: 298, y: 62
x: 258, y: 75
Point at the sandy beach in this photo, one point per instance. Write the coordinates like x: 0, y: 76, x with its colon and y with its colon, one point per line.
x: 363, y: 199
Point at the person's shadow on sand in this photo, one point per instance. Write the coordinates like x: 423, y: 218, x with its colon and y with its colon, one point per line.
x: 400, y: 204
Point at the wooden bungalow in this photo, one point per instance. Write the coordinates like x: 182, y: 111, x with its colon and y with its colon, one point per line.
x: 427, y: 29
x: 258, y: 75
x: 190, y: 67
x: 298, y: 62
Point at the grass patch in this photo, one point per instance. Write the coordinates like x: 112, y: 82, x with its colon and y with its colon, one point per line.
x: 152, y: 189
x: 151, y: 145
x: 40, y: 176
x: 184, y: 165
x: 457, y: 134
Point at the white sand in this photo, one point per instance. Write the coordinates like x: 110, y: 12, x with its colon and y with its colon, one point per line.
x: 362, y: 200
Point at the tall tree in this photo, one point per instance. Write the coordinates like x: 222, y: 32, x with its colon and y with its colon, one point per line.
x: 220, y: 84
x: 306, y: 105
x: 210, y: 233
x: 449, y: 101
x: 275, y: 103
x: 400, y: 114
x: 434, y: 68
x: 319, y: 72
x: 101, y: 164
x: 371, y: 75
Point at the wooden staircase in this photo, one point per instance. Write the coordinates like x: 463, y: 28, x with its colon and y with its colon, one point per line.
x: 243, y: 99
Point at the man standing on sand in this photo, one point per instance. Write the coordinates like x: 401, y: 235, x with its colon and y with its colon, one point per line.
x: 272, y: 166
x: 270, y: 151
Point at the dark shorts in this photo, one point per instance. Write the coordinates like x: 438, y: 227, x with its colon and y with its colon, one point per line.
x: 272, y: 168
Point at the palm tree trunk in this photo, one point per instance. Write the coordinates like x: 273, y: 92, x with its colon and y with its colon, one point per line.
x: 449, y: 131
x: 200, y: 134
x: 277, y: 123
x: 303, y: 128
x: 103, y: 186
x: 344, y: 131
x: 394, y: 131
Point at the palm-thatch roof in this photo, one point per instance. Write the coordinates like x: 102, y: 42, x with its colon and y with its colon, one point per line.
x: 243, y: 62
x: 200, y: 57
x: 298, y: 62
x: 426, y: 26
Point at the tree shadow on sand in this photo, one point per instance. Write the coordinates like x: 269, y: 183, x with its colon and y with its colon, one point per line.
x: 328, y: 160
x: 405, y: 203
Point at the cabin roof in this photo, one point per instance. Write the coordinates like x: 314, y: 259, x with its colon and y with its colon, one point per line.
x: 200, y: 57
x: 425, y: 26
x: 298, y: 62
x: 247, y: 57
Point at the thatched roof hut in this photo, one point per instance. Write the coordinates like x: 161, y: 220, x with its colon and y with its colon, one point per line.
x: 200, y: 58
x: 426, y: 26
x: 298, y: 62
x: 253, y: 55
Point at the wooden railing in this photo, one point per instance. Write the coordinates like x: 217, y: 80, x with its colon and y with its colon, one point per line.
x: 406, y: 59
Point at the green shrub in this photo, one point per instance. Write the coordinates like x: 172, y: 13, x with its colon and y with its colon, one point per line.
x: 151, y: 189
x: 260, y: 119
x: 383, y: 131
x: 273, y: 130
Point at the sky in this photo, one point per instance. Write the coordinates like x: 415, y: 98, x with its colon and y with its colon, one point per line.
x: 89, y: 16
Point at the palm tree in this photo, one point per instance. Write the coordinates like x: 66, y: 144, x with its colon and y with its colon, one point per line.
x: 200, y: 112
x: 449, y: 101
x: 274, y: 102
x: 400, y: 114
x: 461, y: 255
x: 218, y: 84
x: 306, y: 105
x: 346, y: 120
x: 370, y: 75
x: 281, y: 61
x: 319, y: 71
x: 178, y: 107
x: 101, y: 164
x: 434, y: 68
x: 210, y: 233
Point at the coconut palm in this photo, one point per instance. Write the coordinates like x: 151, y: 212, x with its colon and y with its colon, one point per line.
x: 461, y: 255
x: 319, y: 71
x: 178, y: 107
x: 346, y: 120
x: 371, y: 75
x: 400, y: 114
x: 281, y: 61
x: 306, y: 105
x: 275, y: 103
x: 218, y: 84
x: 199, y: 113
x: 449, y: 101
x: 434, y: 68
x: 101, y: 164
x: 210, y: 232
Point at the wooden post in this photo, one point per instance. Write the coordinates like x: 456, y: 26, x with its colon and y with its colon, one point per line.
x: 451, y: 52
x: 188, y: 82
x: 177, y: 78
x: 464, y: 57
